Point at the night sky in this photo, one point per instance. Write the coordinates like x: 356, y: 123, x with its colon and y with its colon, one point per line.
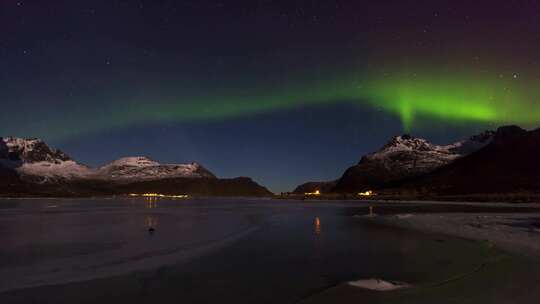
x: 281, y: 91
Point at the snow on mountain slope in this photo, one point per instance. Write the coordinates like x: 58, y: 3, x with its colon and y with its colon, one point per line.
x: 137, y: 161
x: 34, y: 159
x: 508, y: 164
x: 49, y: 170
x: 418, y: 154
x: 471, y: 144
x: 31, y: 150
x: 143, y: 168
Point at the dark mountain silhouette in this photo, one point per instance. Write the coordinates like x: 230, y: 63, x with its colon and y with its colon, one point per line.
x: 509, y: 164
x: 323, y: 187
x: 403, y: 157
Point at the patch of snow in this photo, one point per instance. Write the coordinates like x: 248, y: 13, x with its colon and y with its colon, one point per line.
x: 21, y: 143
x: 65, y: 169
x: 133, y: 161
x: 404, y: 216
x: 378, y: 285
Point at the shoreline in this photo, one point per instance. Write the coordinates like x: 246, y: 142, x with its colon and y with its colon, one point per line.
x: 503, y: 198
x: 515, y: 236
x: 322, y: 199
x: 515, y: 233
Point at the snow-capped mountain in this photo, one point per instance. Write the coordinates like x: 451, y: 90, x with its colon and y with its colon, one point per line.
x: 412, y: 155
x: 402, y: 157
x: 508, y: 164
x: 28, y: 167
x: 29, y: 150
x: 33, y: 159
x: 406, y: 156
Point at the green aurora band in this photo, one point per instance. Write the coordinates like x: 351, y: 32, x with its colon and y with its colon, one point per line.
x: 448, y: 99
x: 457, y: 99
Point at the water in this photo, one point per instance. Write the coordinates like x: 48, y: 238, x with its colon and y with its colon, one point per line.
x: 231, y: 250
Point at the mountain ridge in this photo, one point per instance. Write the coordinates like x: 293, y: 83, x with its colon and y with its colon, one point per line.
x: 509, y: 164
x: 402, y: 157
x: 31, y: 166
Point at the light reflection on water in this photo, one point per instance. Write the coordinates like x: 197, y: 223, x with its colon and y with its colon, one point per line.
x: 317, y: 245
x: 151, y: 202
x: 317, y: 226
x: 151, y: 221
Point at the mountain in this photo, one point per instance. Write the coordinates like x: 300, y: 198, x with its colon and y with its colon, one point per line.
x: 33, y: 160
x: 311, y: 187
x: 403, y: 157
x: 30, y: 167
x: 205, y: 186
x: 143, y: 168
x: 510, y: 163
x: 30, y: 151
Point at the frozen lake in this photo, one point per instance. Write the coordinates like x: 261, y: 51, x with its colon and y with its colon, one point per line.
x: 202, y: 250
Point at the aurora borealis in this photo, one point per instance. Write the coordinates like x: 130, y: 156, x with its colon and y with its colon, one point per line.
x: 446, y: 99
x: 300, y: 82
x: 453, y: 98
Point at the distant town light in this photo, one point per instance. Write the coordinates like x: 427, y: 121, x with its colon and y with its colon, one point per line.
x: 158, y: 195
x: 366, y: 193
x: 317, y: 192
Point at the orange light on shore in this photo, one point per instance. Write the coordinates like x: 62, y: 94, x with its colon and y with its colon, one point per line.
x: 366, y: 193
x: 158, y: 195
x: 317, y: 192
